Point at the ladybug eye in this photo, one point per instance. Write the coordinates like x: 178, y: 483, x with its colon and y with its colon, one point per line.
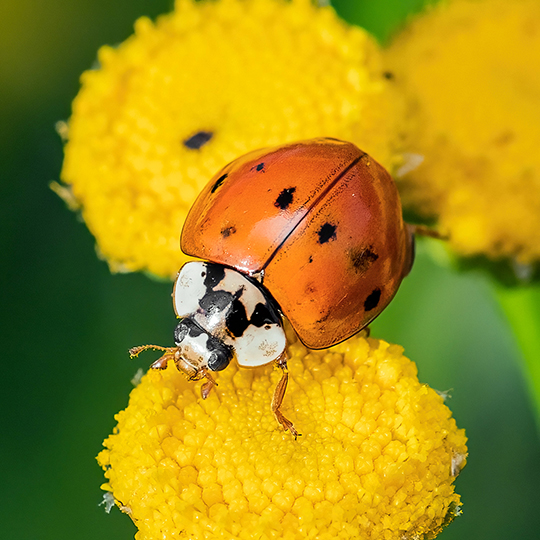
x: 221, y: 354
x: 184, y: 327
x: 197, y: 141
x: 180, y: 332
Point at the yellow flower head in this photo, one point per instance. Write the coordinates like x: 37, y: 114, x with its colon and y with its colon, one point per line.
x: 377, y: 458
x: 470, y: 72
x: 209, y: 82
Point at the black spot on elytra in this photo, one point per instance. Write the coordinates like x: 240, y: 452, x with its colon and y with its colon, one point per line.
x: 310, y: 258
x: 219, y: 181
x: 323, y: 318
x: 227, y: 231
x: 310, y: 289
x: 260, y: 167
x: 214, y: 274
x: 237, y: 320
x: 327, y: 232
x: 372, y: 301
x: 362, y: 258
x: 215, y: 301
x: 285, y: 198
x: 388, y: 75
x: 197, y: 141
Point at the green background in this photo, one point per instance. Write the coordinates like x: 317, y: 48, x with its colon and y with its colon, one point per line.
x: 67, y: 322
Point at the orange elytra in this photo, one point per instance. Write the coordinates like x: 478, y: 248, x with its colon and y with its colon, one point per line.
x: 319, y: 223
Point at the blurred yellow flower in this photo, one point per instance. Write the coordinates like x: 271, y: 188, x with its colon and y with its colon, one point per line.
x: 377, y: 459
x: 469, y: 70
x: 209, y: 82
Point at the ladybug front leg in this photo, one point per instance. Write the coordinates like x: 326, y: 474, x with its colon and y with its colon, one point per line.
x: 277, y: 400
x: 209, y: 384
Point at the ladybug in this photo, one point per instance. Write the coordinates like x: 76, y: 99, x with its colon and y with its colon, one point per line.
x: 311, y: 230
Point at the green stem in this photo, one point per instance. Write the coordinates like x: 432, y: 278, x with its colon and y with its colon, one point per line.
x: 522, y: 308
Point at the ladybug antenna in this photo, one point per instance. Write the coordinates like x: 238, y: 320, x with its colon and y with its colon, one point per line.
x: 135, y: 351
x: 162, y: 361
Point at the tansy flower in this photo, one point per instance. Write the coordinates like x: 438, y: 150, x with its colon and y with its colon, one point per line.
x: 377, y: 458
x: 165, y: 111
x: 205, y: 84
x: 469, y: 70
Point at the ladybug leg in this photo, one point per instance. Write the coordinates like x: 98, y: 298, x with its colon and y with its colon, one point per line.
x: 365, y: 332
x: 422, y: 230
x: 277, y: 400
x: 208, y: 385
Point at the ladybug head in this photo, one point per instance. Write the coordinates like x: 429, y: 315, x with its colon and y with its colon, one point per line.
x: 198, y: 349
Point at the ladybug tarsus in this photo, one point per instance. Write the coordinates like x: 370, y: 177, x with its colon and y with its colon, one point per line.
x: 208, y: 385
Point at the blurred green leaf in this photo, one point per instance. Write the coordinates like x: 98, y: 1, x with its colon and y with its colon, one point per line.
x: 382, y: 18
x: 522, y: 307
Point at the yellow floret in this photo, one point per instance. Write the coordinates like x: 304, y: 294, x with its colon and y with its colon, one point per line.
x: 470, y: 72
x: 376, y: 460
x: 248, y: 73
